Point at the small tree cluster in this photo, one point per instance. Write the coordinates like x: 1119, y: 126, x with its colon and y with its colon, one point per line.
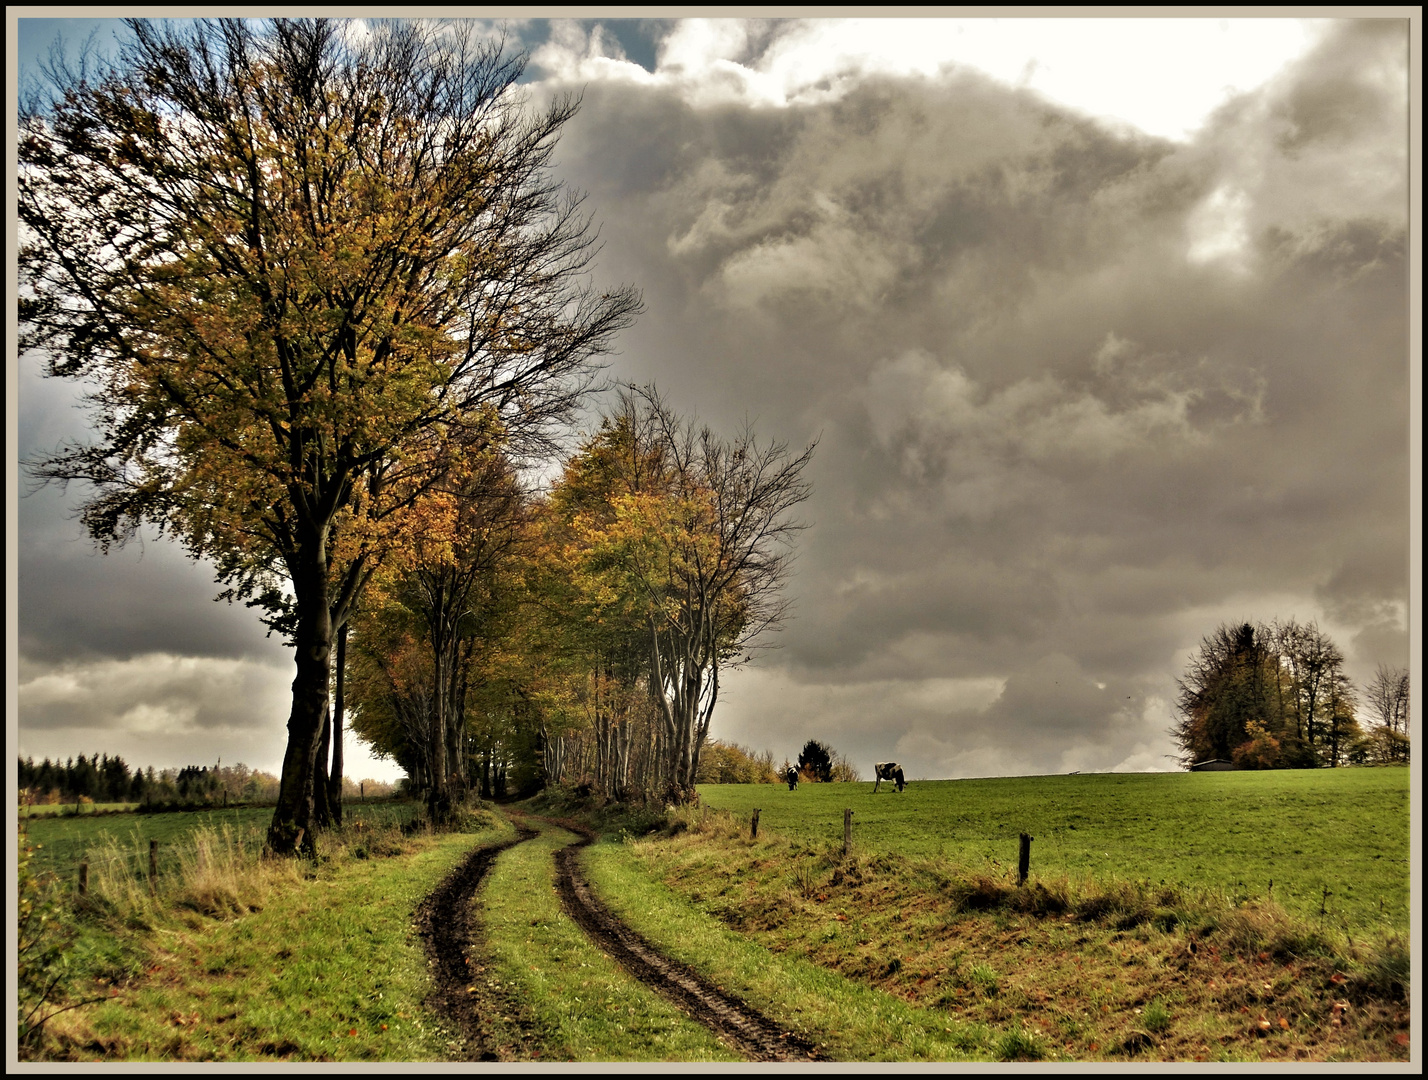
x: 820, y: 763
x: 1277, y: 696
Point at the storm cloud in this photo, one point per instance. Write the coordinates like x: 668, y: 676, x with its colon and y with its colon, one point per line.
x: 1082, y: 389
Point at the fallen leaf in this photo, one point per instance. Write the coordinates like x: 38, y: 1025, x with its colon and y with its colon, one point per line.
x: 351, y: 1031
x: 1284, y: 1023
x: 1401, y: 1038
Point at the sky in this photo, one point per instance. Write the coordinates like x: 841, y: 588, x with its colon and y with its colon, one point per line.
x: 1101, y: 327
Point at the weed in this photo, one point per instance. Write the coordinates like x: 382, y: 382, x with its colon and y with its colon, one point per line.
x: 1017, y: 1044
x: 1156, y: 1016
x: 806, y: 879
x: 984, y: 979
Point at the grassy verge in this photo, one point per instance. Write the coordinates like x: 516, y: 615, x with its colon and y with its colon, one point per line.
x: 848, y: 1020
x: 250, y: 959
x: 585, y: 1007
x: 1055, y: 970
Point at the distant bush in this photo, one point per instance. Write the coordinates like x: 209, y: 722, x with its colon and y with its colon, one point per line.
x: 730, y: 763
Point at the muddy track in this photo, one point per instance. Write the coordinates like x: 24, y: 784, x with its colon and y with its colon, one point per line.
x: 742, y: 1026
x: 487, y: 1025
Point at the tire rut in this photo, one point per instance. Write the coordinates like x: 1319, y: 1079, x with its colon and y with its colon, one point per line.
x: 487, y: 1024
x: 739, y: 1024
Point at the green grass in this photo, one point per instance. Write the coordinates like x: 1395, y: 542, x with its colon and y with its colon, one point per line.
x: 327, y: 969
x: 1289, y: 835
x: 1055, y: 970
x: 587, y: 1006
x: 848, y: 1020
x: 58, y: 809
x: 63, y: 842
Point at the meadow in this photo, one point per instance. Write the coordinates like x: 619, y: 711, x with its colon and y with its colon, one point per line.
x: 917, y: 945
x: 1327, y: 843
x: 63, y: 841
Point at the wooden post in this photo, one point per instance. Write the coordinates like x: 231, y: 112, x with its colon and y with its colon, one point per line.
x: 153, y: 864
x: 754, y: 826
x: 83, y: 878
x: 1023, y: 862
x: 847, y: 830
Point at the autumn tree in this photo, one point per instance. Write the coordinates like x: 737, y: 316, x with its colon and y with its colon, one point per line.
x: 1317, y: 704
x: 697, y: 531
x: 295, y: 263
x: 442, y: 600
x: 596, y: 640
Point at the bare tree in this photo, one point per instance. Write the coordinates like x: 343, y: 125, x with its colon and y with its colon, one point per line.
x: 1387, y: 698
x: 711, y: 564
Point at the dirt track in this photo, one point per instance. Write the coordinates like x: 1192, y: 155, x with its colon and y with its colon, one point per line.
x: 488, y: 1025
x: 744, y: 1028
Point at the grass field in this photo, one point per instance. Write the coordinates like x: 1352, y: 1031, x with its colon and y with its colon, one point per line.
x: 35, y: 810
x: 1341, y: 830
x: 64, y: 841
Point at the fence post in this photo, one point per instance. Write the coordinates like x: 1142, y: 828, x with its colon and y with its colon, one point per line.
x: 153, y: 864
x: 754, y: 826
x: 83, y: 878
x: 1023, y: 862
x: 847, y: 830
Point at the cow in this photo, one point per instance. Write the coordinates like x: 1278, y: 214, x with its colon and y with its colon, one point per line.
x: 792, y: 777
x: 890, y: 771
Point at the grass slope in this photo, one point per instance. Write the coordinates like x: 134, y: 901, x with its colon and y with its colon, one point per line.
x: 1055, y: 970
x: 1291, y: 835
x: 848, y: 1020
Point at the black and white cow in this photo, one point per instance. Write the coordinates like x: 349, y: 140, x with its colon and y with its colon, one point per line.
x: 792, y: 777
x: 890, y: 771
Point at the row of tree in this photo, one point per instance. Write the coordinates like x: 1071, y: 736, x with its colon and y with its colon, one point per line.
x: 101, y: 778
x: 329, y: 305
x: 578, y: 635
x: 1277, y: 696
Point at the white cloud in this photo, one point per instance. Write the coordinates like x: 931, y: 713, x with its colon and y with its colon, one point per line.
x: 1163, y: 76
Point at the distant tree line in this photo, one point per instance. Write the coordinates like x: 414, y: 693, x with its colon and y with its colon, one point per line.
x: 1276, y: 697
x: 104, y: 779
x: 101, y: 778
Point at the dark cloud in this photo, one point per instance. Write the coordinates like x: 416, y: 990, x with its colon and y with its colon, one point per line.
x: 1081, y: 393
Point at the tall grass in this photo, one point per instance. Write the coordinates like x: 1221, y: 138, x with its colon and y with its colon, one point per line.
x: 213, y: 870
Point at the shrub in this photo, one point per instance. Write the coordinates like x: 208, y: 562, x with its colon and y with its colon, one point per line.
x: 42, y: 962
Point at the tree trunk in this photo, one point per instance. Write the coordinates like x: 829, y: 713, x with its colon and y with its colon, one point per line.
x: 292, y: 826
x: 321, y: 811
x: 334, y: 781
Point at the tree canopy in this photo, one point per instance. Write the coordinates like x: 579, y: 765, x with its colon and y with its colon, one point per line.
x: 301, y: 266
